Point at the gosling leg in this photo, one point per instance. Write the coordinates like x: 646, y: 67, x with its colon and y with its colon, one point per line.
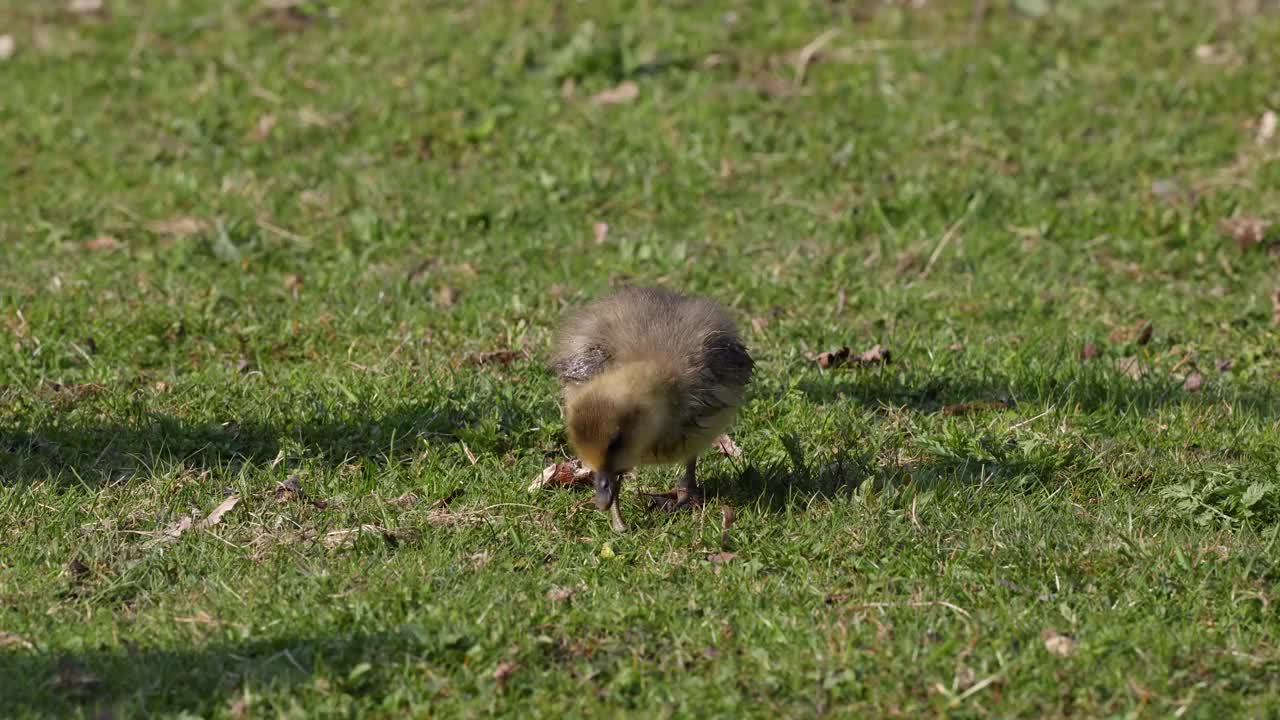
x: 687, y: 490
x: 686, y: 494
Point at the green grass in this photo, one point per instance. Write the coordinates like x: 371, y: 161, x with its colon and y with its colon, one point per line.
x: 981, y: 197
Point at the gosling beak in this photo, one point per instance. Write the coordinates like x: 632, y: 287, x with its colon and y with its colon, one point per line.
x: 607, y: 499
x: 606, y: 489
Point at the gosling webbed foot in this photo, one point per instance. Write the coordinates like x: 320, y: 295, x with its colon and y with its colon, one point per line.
x: 686, y: 495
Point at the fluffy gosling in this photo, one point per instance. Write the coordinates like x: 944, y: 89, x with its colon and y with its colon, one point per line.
x: 650, y: 377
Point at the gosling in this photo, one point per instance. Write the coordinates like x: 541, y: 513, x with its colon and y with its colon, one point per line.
x: 649, y: 377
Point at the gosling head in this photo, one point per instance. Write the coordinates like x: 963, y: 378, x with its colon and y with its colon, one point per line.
x: 612, y: 423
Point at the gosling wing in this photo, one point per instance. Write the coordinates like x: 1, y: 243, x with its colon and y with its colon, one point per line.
x: 721, y: 378
x: 580, y: 364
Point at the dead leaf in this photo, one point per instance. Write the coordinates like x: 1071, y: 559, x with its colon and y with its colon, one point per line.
x: 285, y: 16
x: 103, y: 242
x: 1247, y: 231
x: 728, y: 516
x: 292, y: 282
x: 727, y: 447
x: 178, y: 226
x: 1193, y: 382
x: 1144, y: 333
x: 223, y: 508
x: 492, y: 357
x: 346, y: 537
x: 1166, y: 189
x: 77, y: 569
x: 447, y: 296
x: 1212, y: 54
x: 833, y: 358
x: 1089, y: 351
x: 85, y: 7
x: 314, y: 198
x: 966, y: 408
x: 1139, y: 333
x: 1058, y: 644
x: 406, y: 500
x: 600, y: 231
x: 758, y: 324
x: 505, y: 670
x: 172, y: 531
x: 769, y: 85
x: 6, y: 47
x: 421, y: 269
x: 721, y: 557
x: 624, y: 93
x: 262, y: 129
x: 875, y: 356
x: 290, y: 489
x: 1266, y: 127
x: 311, y: 118
x: 1131, y: 366
x: 199, y: 617
x: 8, y: 639
x: 560, y: 594
x: 455, y: 493
x: 73, y: 678
x: 563, y: 474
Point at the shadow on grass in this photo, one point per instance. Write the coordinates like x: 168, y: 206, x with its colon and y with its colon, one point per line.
x: 972, y: 456
x: 1078, y: 388
x: 133, y: 681
x: 777, y: 486
x: 78, y: 453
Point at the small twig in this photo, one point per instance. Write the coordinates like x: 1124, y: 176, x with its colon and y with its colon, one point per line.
x: 403, y: 342
x: 976, y: 15
x: 809, y: 51
x: 925, y: 603
x: 1024, y: 590
x: 942, y: 245
x: 277, y: 230
x: 289, y: 656
x: 517, y: 505
x: 1186, y: 360
x: 976, y: 688
x: 915, y: 520
x: 1017, y: 425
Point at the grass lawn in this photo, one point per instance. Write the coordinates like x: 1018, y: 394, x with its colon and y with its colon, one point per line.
x: 310, y: 258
